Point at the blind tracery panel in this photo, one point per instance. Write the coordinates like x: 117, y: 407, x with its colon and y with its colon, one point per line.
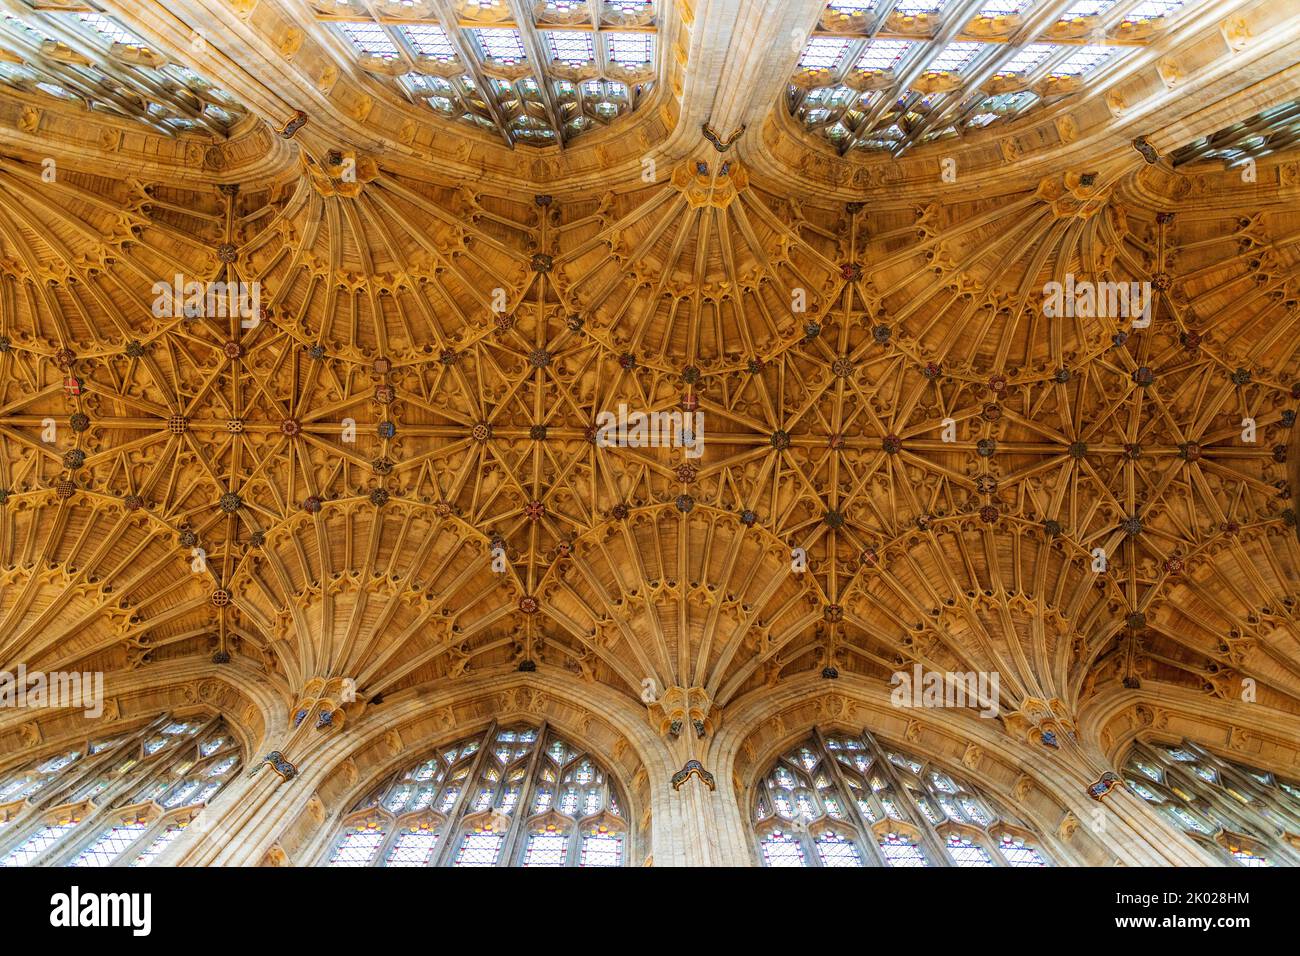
x: 115, y: 801
x: 1245, y: 816
x: 510, y: 796
x: 846, y: 800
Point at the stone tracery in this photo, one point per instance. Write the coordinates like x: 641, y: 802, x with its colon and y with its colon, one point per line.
x: 317, y: 490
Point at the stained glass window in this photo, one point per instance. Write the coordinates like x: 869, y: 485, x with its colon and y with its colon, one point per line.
x: 1017, y: 853
x: 414, y: 845
x: 1027, y: 58
x: 547, y: 846
x: 780, y: 849
x: 902, y: 851
x: 835, y: 850
x: 1245, y: 857
x: 883, y: 54
x: 823, y: 53
x: 159, y: 843
x: 1151, y: 9
x: 600, y: 847
x: 359, y: 845
x: 109, y: 30
x: 111, y: 844
x: 501, y: 45
x: 156, y: 779
x: 1087, y: 8
x: 1224, y: 806
x: 966, y: 853
x: 956, y: 56
x: 429, y: 39
x: 480, y: 847
x: 1087, y: 60
x: 370, y: 38
x: 631, y: 50
x: 952, y: 44
x: 996, y: 8
x: 457, y: 807
x: 39, y: 842
x: 841, y: 799
x: 573, y: 47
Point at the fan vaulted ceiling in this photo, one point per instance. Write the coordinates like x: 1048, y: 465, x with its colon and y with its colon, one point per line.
x: 475, y: 227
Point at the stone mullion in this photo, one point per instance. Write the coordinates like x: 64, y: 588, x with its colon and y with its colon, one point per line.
x: 156, y: 826
x: 513, y: 844
x: 756, y: 841
x: 101, y: 805
x: 443, y: 855
x: 1131, y: 828
x: 1242, y: 815
x: 106, y: 813
x: 446, y: 15
x: 932, y: 793
x: 928, y: 834
x: 389, y: 839
x: 88, y: 772
x: 533, y: 47
x: 26, y: 830
x: 1254, y: 788
x: 868, y: 834
x: 88, y: 832
x: 385, y: 848
x: 85, y: 833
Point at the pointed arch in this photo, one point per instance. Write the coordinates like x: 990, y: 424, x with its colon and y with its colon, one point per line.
x: 117, y: 799
x: 1243, y: 815
x: 517, y: 793
x: 848, y: 799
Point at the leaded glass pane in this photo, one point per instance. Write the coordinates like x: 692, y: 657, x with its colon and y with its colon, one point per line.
x: 600, y: 847
x: 857, y: 784
x: 899, y: 851
x: 966, y: 853
x: 358, y: 845
x: 414, y: 846
x: 780, y: 849
x: 835, y: 850
x: 480, y: 847
x: 111, y: 844
x: 546, y: 847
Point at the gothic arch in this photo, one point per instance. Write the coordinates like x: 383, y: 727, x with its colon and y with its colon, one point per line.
x: 514, y: 793
x: 1245, y: 814
x: 389, y: 737
x: 124, y: 794
x: 845, y: 798
x: 751, y: 746
x: 377, y: 512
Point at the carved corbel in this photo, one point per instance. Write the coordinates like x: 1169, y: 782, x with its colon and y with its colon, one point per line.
x: 1236, y: 33
x: 682, y: 710
x: 693, y: 768
x: 1068, y: 825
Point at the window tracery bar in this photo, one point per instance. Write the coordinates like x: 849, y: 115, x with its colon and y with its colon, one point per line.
x: 887, y: 76
x: 844, y: 799
x: 514, y: 795
x: 1243, y: 815
x: 539, y: 74
x: 110, y: 68
x: 115, y: 801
